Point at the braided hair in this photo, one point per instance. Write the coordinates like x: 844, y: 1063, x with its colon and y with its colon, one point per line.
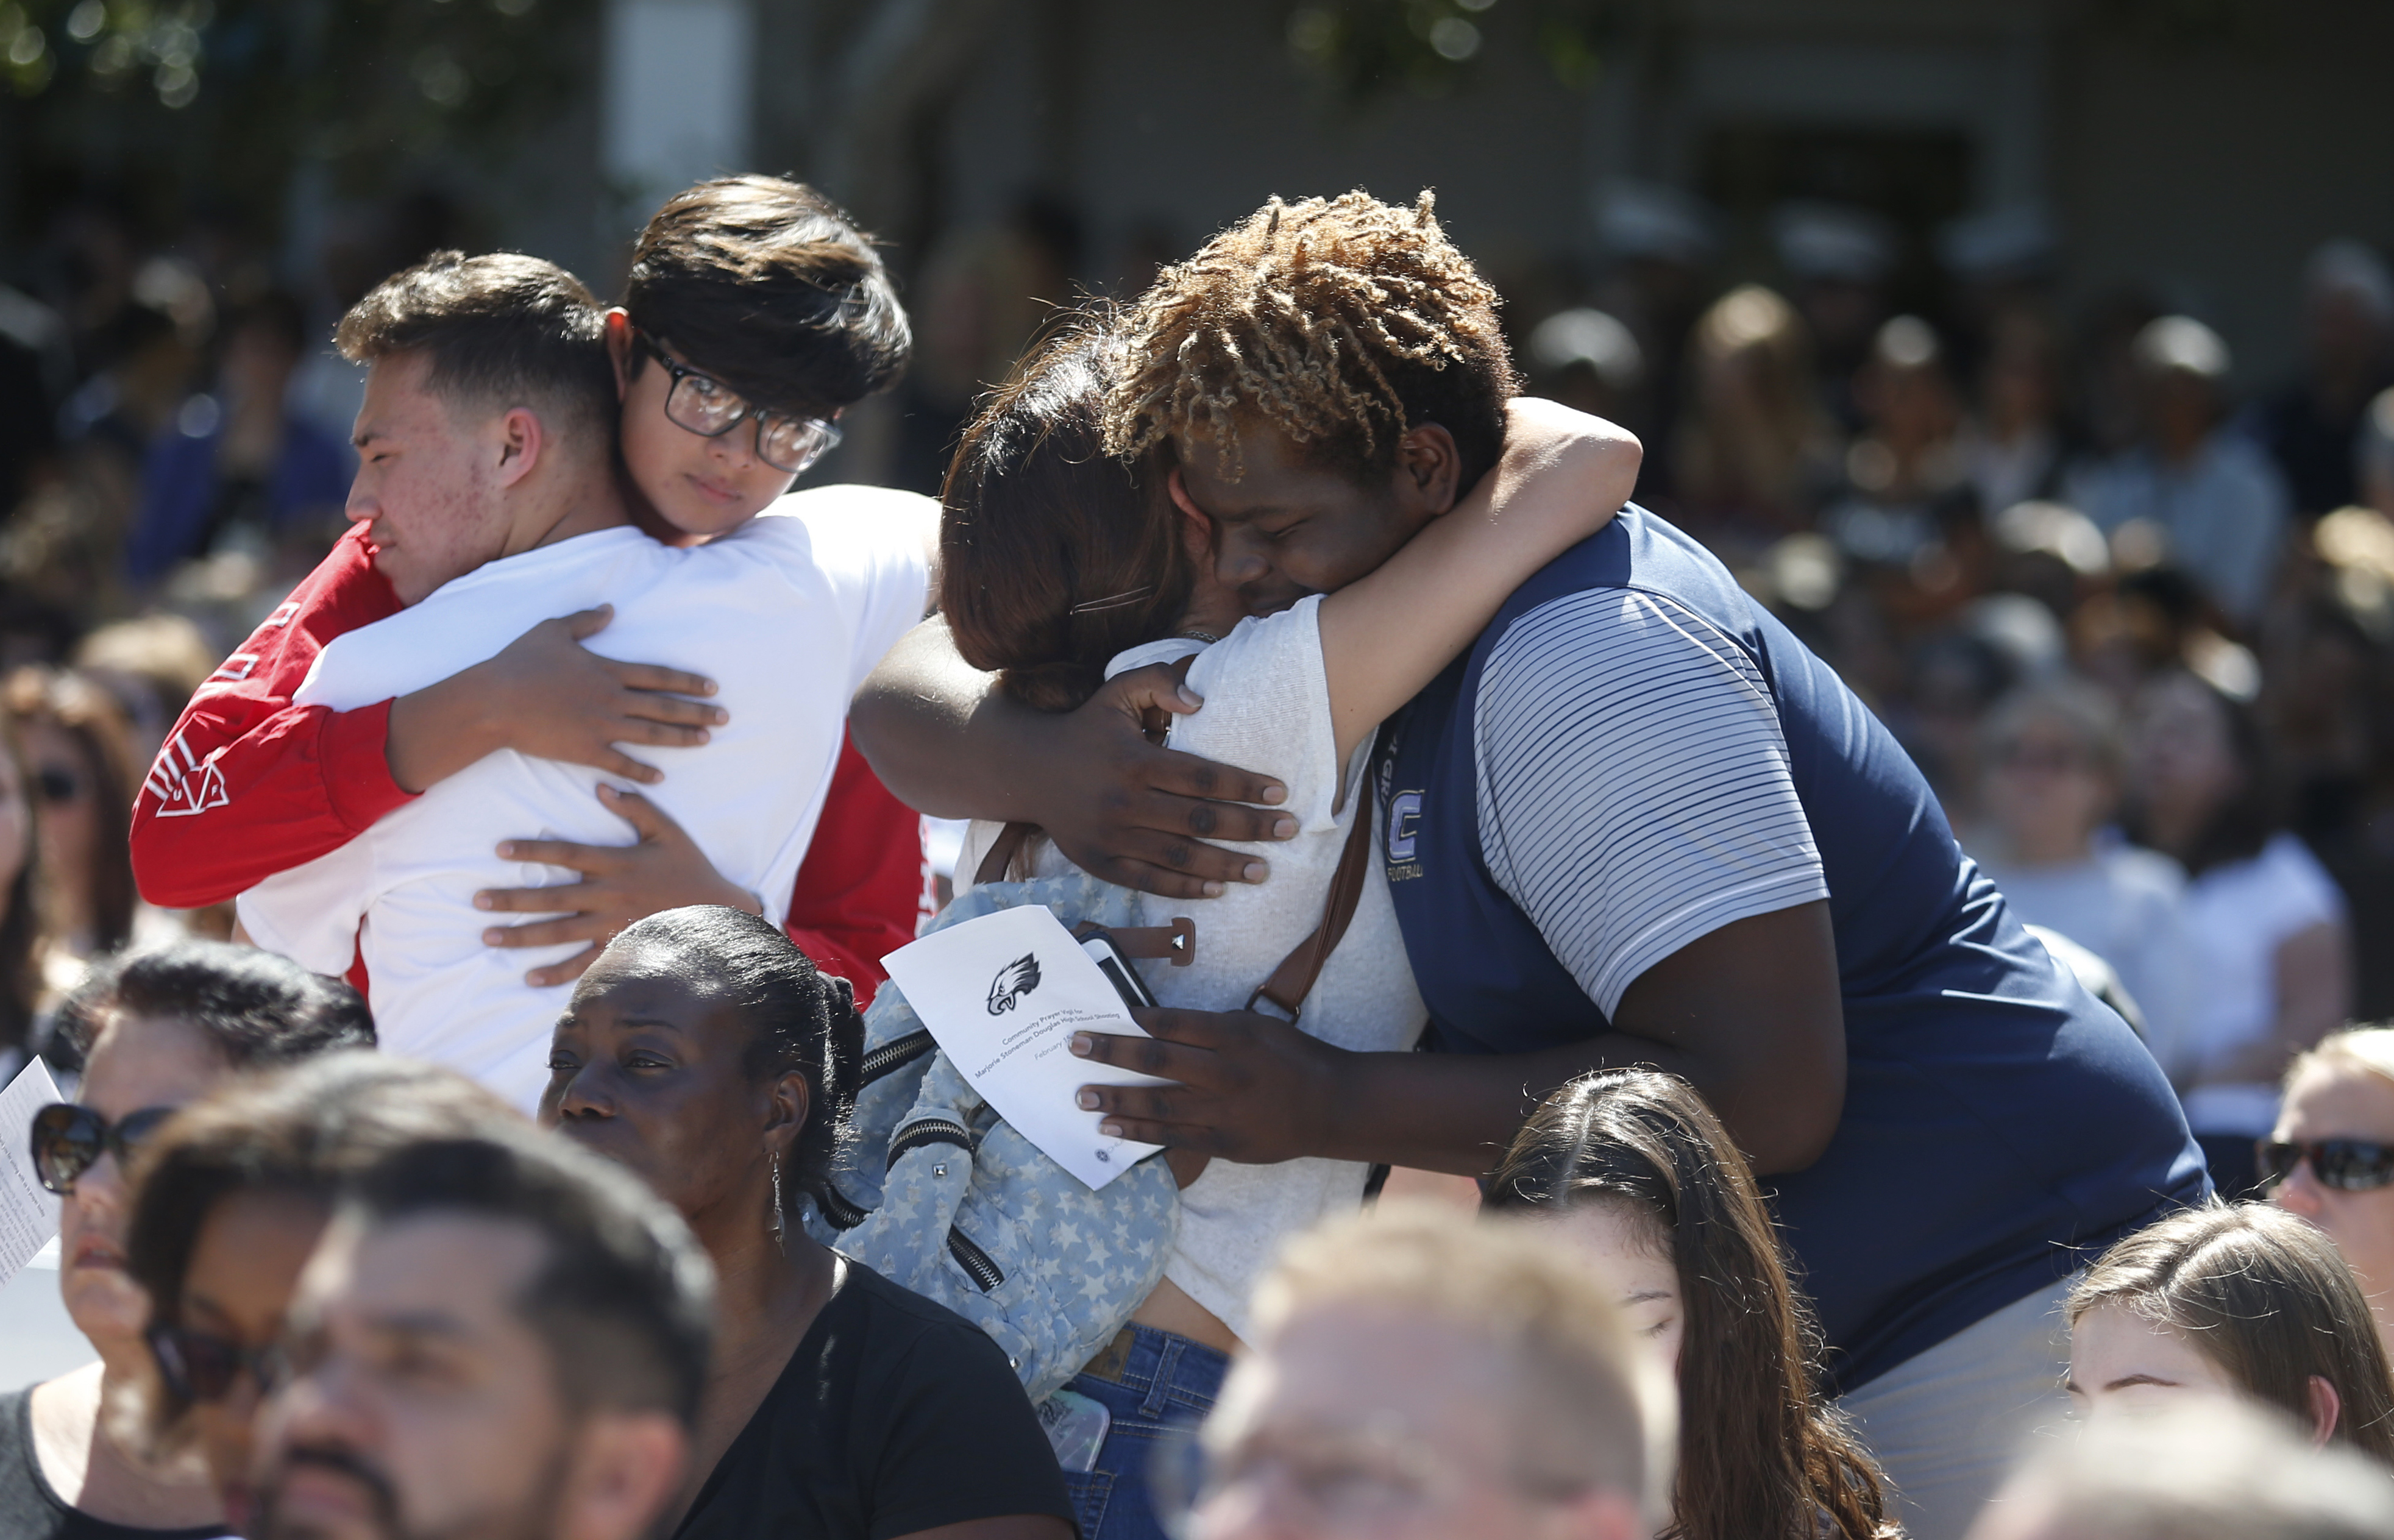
x: 801, y: 1021
x: 1342, y: 322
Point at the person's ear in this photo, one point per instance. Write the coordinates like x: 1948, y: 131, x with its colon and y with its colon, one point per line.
x: 2327, y: 1408
x: 521, y: 437
x: 1429, y: 469
x: 786, y: 1113
x: 619, y: 348
x: 1197, y: 526
x: 626, y: 1467
x: 1599, y: 1515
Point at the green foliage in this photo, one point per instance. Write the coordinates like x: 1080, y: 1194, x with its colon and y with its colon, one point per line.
x: 1361, y: 49
x: 226, y: 96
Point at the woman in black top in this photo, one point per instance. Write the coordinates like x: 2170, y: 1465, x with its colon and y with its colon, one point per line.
x: 705, y: 1051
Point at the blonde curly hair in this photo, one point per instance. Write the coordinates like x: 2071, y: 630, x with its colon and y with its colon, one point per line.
x: 1341, y: 321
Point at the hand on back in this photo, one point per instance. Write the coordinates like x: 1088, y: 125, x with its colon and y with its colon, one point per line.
x: 1128, y: 811
x: 547, y: 695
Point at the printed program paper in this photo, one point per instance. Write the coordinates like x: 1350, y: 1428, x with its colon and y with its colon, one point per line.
x: 1002, y: 997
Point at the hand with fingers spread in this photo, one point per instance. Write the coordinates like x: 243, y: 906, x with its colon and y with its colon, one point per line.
x: 1123, y: 808
x: 1251, y: 1087
x: 620, y: 884
x: 548, y: 696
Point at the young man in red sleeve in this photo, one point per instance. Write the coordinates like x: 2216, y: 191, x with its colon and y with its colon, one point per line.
x: 742, y: 290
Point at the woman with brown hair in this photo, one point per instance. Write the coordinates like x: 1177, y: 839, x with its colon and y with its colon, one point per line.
x: 1062, y: 564
x: 79, y: 761
x: 1638, y: 1175
x: 20, y: 918
x: 2238, y: 1300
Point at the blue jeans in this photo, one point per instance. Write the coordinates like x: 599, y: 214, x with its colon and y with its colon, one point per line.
x: 1148, y: 1381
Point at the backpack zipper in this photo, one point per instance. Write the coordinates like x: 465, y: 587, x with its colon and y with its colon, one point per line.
x: 975, y: 1262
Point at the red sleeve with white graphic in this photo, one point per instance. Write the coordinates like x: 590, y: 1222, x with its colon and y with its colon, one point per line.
x: 249, y: 784
x: 859, y: 893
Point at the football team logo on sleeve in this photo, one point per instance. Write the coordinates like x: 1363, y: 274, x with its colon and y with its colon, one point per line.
x: 1013, y: 980
x: 184, y: 784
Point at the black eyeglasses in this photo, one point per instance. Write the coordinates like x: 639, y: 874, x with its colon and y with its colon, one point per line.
x: 199, y: 1368
x: 68, y: 1140
x: 2346, y: 1165
x: 702, y: 405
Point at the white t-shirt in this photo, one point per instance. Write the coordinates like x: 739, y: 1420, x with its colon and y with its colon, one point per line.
x: 787, y: 614
x: 1267, y: 710
x: 2238, y: 916
x: 2127, y: 906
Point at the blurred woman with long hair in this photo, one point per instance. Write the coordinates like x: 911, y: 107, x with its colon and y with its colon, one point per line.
x: 20, y: 918
x: 79, y: 761
x: 2268, y: 933
x: 1638, y: 1175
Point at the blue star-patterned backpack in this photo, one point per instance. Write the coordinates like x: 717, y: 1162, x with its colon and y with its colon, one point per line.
x: 934, y: 1190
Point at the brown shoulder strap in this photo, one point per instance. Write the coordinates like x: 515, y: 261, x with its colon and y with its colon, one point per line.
x: 1009, y: 843
x: 1293, y: 980
x: 1175, y: 943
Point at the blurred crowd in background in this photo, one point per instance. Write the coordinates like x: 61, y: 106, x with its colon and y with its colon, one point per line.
x: 2138, y: 627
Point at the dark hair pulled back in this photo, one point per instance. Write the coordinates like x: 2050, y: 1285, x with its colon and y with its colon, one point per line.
x: 802, y: 1021
x: 1054, y: 555
x: 256, y: 1008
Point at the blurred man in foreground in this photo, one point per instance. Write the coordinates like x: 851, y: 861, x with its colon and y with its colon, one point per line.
x: 504, y: 1340
x: 1417, y: 1377
x: 2214, y: 1470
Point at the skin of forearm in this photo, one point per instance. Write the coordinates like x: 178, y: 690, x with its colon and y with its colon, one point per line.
x: 439, y: 730
x: 937, y: 732
x: 1458, y: 1113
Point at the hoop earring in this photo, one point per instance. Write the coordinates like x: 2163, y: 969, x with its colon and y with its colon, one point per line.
x: 780, y: 1242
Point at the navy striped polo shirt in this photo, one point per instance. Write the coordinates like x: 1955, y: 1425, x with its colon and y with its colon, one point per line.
x: 1633, y: 755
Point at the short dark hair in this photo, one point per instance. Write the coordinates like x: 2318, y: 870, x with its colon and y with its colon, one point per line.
x: 1053, y: 556
x: 501, y: 331
x: 258, y: 1008
x: 801, y: 1020
x: 768, y: 286
x: 624, y: 1297
x: 1344, y: 322
x: 299, y: 1132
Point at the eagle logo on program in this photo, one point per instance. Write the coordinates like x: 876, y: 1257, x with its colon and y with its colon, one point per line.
x: 1013, y: 980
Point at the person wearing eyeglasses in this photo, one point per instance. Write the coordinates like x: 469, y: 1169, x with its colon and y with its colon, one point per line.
x: 2331, y: 1157
x: 772, y: 313
x: 80, y: 774
x: 156, y: 1032
x: 488, y: 486
x: 234, y: 1194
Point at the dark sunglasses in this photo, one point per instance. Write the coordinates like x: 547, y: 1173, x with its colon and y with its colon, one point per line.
x: 69, y: 1139
x: 59, y: 786
x: 2346, y: 1165
x: 199, y: 1368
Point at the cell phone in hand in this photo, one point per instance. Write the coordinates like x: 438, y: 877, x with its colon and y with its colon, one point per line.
x: 1114, y: 965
